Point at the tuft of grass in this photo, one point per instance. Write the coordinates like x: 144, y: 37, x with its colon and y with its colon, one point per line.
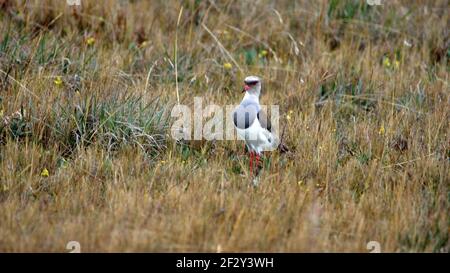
x: 113, y: 124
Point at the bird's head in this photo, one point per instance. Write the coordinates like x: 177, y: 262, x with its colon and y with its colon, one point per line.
x: 252, y: 85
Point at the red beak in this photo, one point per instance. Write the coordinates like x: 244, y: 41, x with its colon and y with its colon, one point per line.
x: 246, y: 88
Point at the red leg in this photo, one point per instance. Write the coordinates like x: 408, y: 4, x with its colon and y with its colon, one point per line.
x: 258, y: 162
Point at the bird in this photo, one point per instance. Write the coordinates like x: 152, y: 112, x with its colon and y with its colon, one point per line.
x: 253, y: 125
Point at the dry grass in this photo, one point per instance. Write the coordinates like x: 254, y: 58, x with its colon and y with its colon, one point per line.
x: 367, y: 87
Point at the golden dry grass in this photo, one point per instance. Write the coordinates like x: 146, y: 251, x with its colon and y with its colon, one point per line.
x: 368, y: 92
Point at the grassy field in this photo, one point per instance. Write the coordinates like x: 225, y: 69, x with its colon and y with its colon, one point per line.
x: 85, y: 147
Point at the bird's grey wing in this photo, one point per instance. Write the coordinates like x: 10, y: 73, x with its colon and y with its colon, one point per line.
x: 264, y: 120
x: 245, y: 115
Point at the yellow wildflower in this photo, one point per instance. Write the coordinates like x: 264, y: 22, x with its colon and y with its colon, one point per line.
x: 300, y: 182
x: 144, y: 44
x: 396, y: 64
x: 386, y: 62
x: 263, y: 53
x: 58, y: 81
x: 90, y: 41
x: 382, y: 130
x: 227, y: 66
x: 288, y: 117
x: 45, y: 173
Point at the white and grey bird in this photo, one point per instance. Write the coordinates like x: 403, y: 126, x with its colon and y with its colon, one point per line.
x: 252, y: 123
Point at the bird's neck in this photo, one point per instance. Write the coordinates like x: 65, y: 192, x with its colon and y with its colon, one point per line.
x: 252, y: 97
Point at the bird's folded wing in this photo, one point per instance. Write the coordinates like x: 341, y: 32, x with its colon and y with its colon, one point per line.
x: 264, y: 120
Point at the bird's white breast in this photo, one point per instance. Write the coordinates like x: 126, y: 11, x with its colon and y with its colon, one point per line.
x: 257, y: 138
